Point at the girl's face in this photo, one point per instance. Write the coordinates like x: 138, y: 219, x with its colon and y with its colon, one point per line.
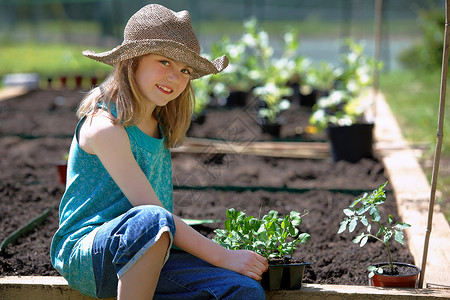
x: 161, y: 79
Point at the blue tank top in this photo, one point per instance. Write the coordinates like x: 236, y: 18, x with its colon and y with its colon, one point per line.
x: 92, y: 198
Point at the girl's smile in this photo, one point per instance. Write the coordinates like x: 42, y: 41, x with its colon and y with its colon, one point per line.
x: 164, y: 89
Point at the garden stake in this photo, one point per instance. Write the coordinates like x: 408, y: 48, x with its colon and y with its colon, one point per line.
x: 32, y: 224
x: 440, y: 136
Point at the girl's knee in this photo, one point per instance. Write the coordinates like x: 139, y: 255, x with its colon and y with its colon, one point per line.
x: 154, y: 215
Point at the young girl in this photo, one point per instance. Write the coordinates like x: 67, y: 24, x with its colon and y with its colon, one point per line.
x: 116, y: 227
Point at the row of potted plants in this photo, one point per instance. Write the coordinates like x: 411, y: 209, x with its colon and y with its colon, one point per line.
x: 276, y: 237
x: 337, y: 94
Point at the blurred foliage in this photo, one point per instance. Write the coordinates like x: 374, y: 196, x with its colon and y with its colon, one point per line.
x: 48, y: 60
x: 427, y: 52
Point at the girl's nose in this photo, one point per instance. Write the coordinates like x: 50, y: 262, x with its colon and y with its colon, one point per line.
x: 174, y: 75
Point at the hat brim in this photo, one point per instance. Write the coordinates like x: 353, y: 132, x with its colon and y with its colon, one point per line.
x: 201, y: 66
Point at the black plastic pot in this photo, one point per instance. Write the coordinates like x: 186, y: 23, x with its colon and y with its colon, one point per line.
x: 351, y: 143
x: 273, y: 129
x: 284, y: 277
x: 237, y: 99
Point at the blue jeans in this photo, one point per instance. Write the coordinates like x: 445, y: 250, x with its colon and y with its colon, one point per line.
x: 120, y: 242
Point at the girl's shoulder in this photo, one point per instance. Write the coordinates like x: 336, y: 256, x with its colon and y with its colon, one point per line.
x: 99, y: 128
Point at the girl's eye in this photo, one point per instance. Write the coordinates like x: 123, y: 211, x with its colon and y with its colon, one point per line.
x: 186, y: 71
x: 165, y: 62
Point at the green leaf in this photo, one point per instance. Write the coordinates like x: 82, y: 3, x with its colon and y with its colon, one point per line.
x: 352, y: 226
x: 343, y: 226
x: 358, y: 239
x: 401, y: 225
x: 349, y: 212
x: 304, y: 237
x: 375, y: 213
x: 364, y: 221
x: 363, y: 241
x: 363, y: 209
x: 292, y: 230
x: 390, y: 219
x: 296, y: 221
x: 399, y: 236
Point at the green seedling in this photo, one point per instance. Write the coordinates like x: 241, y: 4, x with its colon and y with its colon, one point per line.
x: 365, y: 211
x: 271, y: 236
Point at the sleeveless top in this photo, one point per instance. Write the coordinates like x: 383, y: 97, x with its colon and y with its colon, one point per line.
x: 92, y: 198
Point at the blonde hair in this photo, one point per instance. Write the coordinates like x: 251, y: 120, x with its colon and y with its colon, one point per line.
x: 121, y: 89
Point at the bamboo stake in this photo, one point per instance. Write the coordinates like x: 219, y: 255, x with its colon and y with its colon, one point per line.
x: 378, y: 35
x: 440, y: 136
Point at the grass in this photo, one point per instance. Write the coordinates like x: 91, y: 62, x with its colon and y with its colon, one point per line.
x: 414, y: 100
x: 48, y: 60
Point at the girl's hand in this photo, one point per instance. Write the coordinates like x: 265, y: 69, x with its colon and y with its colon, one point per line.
x: 245, y: 262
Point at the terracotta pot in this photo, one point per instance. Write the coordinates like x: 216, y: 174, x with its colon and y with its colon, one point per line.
x: 284, y: 277
x: 78, y: 81
x: 94, y: 81
x: 405, y: 281
x: 62, y: 171
x: 63, y: 80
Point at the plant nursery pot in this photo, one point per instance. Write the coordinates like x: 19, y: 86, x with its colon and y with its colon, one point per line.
x: 94, y: 81
x: 199, y: 119
x: 62, y: 171
x: 237, y: 99
x: 272, y: 128
x: 78, y: 81
x: 308, y: 100
x: 407, y: 280
x: 351, y: 143
x: 283, y: 277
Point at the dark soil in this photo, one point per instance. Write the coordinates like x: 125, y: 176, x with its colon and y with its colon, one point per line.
x: 36, y: 131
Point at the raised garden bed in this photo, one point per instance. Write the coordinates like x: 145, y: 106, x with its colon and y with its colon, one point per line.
x: 35, y: 133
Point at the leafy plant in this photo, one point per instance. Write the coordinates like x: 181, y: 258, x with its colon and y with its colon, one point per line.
x: 202, y: 89
x: 271, y: 236
x: 340, y: 108
x: 272, y: 95
x: 426, y: 53
x: 321, y: 76
x: 252, y: 64
x: 347, y: 102
x: 365, y: 211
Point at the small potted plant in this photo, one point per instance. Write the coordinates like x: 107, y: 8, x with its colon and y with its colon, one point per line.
x: 345, y: 112
x: 272, y: 104
x: 274, y: 237
x: 366, y: 211
x: 315, y: 81
x: 237, y: 80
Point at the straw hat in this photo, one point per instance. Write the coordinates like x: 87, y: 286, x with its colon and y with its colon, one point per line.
x: 159, y: 30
